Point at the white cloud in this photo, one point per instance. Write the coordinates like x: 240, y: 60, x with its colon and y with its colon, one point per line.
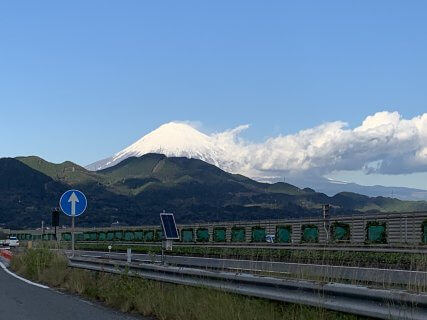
x: 384, y: 143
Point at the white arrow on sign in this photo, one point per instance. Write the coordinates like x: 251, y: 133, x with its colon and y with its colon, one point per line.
x: 73, y: 199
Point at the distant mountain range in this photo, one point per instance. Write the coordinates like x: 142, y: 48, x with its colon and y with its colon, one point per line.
x: 332, y: 187
x: 181, y: 140
x: 137, y: 189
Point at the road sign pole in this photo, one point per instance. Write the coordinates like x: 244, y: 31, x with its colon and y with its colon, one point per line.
x: 73, y: 203
x: 72, y: 236
x: 129, y: 255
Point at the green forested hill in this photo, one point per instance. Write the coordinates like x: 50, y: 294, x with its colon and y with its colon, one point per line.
x: 137, y: 189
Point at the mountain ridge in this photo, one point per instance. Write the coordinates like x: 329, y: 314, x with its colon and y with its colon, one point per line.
x: 137, y: 189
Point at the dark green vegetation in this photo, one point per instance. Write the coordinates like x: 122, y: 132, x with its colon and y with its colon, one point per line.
x: 137, y: 189
x: 397, y: 260
x: 160, y: 300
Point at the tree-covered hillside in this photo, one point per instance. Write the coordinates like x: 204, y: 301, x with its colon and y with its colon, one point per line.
x: 137, y: 189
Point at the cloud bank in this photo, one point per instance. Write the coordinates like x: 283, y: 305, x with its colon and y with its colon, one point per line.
x: 384, y: 143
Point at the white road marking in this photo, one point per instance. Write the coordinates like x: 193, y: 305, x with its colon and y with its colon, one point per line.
x: 22, y: 279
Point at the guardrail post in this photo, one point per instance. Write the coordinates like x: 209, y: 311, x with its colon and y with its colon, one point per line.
x: 129, y: 255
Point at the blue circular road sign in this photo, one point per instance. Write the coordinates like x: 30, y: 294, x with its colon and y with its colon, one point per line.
x: 73, y: 203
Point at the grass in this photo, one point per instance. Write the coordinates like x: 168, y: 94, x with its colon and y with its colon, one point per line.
x: 156, y: 299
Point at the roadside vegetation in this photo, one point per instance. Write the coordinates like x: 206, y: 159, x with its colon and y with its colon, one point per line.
x: 397, y: 260
x: 156, y: 299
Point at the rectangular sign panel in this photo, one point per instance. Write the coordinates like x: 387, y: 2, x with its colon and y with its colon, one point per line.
x: 169, y: 227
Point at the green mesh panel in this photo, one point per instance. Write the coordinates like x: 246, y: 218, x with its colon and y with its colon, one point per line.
x: 79, y: 236
x: 159, y: 235
x: 310, y: 234
x: 219, y: 234
x: 341, y: 232
x: 139, y: 235
x: 86, y: 236
x: 45, y: 237
x: 93, y: 236
x: 110, y: 236
x: 203, y: 235
x: 149, y: 236
x: 258, y: 234
x: 129, y: 236
x: 238, y: 234
x: 102, y: 236
x: 187, y: 235
x: 28, y: 236
x: 425, y: 232
x: 118, y: 235
x: 376, y: 233
x: 66, y: 236
x: 283, y: 234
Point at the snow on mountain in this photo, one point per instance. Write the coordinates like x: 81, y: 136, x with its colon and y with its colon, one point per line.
x: 225, y: 151
x: 173, y: 139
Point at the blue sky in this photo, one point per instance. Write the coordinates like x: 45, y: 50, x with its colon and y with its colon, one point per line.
x: 81, y: 80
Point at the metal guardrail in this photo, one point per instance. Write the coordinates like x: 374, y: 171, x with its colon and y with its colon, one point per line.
x: 383, y: 304
x: 384, y: 277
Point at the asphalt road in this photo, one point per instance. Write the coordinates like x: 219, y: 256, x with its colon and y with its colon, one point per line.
x: 23, y: 301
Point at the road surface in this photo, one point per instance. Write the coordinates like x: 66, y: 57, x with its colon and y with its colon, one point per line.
x: 22, y: 301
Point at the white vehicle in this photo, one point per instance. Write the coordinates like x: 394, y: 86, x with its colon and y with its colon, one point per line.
x: 11, y: 242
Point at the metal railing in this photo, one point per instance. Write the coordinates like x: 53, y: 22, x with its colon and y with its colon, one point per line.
x: 377, y: 303
x: 385, y: 278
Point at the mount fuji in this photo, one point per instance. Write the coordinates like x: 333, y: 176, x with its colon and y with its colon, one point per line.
x: 173, y: 139
x: 177, y: 139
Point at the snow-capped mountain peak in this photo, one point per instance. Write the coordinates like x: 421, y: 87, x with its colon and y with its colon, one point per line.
x: 171, y: 139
